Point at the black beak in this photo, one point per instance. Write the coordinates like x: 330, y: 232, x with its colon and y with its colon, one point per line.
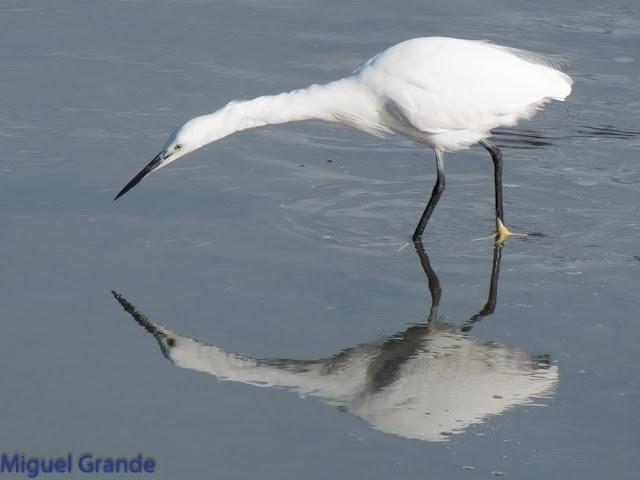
x: 153, y: 164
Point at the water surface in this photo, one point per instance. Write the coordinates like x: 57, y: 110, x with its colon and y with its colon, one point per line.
x: 286, y: 246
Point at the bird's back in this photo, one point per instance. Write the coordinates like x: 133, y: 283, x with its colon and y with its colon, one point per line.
x: 451, y: 92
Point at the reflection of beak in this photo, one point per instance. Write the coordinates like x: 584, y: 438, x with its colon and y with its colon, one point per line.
x: 164, y: 336
x: 154, y: 164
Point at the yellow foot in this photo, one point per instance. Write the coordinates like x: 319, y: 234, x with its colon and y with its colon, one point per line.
x: 503, y: 232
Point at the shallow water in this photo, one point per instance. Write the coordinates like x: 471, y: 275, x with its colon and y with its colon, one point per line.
x: 288, y: 245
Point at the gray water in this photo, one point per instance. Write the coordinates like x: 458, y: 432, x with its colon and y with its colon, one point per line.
x: 288, y: 244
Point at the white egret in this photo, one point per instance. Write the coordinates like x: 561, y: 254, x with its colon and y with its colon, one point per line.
x: 445, y: 93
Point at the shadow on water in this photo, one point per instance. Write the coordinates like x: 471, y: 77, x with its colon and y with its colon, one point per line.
x: 518, y: 138
x: 427, y: 382
x: 522, y: 139
x: 608, y: 131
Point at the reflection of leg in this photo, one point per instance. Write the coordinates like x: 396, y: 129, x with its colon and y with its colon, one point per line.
x: 434, y: 282
x: 490, y: 306
x: 438, y: 190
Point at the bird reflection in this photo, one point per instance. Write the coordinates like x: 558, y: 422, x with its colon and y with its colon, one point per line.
x: 428, y: 382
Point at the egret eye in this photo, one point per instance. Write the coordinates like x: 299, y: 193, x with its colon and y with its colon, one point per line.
x: 177, y: 147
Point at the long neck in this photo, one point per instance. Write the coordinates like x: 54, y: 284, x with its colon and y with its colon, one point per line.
x: 333, y: 102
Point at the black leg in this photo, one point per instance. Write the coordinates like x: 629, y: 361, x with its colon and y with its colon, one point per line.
x: 496, y: 156
x: 438, y: 190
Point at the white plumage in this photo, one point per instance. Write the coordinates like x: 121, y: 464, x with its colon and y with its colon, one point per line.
x: 450, y: 93
x: 442, y: 92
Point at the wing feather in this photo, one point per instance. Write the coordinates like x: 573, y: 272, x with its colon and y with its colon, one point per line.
x: 545, y: 59
x: 440, y: 85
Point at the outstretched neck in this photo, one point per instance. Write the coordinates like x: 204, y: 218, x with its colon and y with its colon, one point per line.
x: 332, y: 102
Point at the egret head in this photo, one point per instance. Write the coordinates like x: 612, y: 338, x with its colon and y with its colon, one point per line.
x: 187, y: 138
